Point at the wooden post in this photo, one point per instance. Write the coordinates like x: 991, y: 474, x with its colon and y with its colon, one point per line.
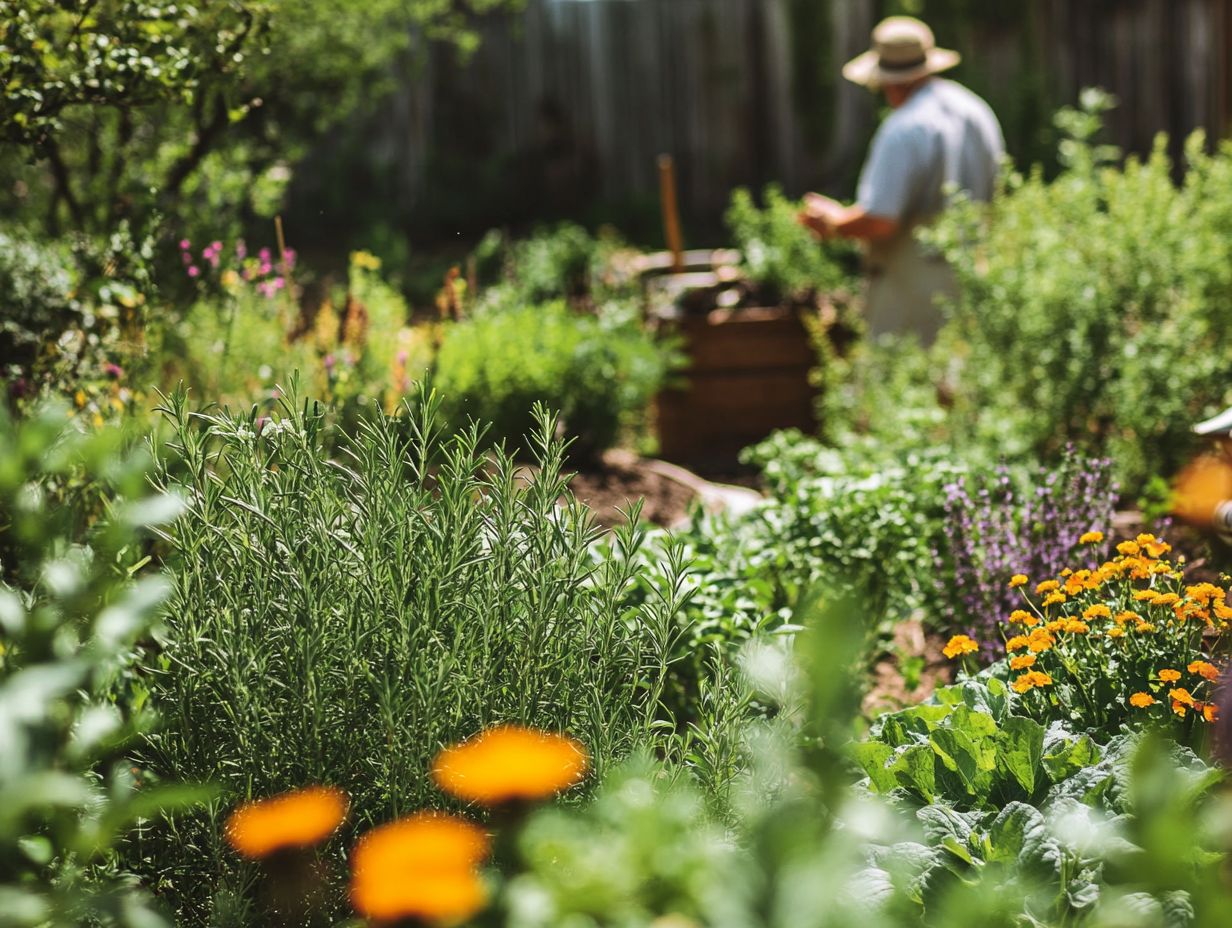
x: 671, y: 211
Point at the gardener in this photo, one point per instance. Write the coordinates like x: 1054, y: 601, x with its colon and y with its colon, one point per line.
x: 940, y: 139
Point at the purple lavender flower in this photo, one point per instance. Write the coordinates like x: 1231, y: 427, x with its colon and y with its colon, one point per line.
x: 996, y: 530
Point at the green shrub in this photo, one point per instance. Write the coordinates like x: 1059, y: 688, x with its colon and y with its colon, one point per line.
x: 782, y: 255
x: 1095, y: 308
x: 599, y: 374
x: 338, y: 620
x: 73, y: 608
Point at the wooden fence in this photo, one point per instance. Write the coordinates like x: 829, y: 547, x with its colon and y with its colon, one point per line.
x: 575, y: 98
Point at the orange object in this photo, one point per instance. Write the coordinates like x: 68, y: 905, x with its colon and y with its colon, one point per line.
x: 299, y: 819
x: 422, y: 866
x: 510, y: 763
x: 1200, y: 488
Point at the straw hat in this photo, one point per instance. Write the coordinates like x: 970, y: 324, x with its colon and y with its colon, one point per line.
x: 903, y: 50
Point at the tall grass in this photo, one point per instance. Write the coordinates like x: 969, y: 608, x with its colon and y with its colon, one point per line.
x: 338, y: 620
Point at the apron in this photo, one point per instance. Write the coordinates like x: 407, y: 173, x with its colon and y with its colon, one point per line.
x: 905, y: 280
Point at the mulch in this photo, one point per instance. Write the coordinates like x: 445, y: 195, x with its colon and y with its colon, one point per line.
x: 621, y: 478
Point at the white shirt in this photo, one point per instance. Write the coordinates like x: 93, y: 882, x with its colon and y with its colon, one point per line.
x: 943, y: 135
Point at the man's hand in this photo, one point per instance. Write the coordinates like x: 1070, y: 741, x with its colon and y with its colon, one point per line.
x: 821, y: 215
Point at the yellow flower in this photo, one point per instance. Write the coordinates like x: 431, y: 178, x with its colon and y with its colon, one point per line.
x: 1167, y: 599
x: 1090, y: 538
x: 421, y: 867
x: 79, y: 398
x: 1040, y: 640
x: 1047, y: 586
x: 365, y: 261
x: 1181, y: 695
x: 1053, y: 599
x: 1031, y: 680
x: 1022, y: 662
x: 1168, y: 675
x: 1018, y: 580
x: 1098, y: 611
x: 1017, y: 643
x: 1141, y: 700
x: 1022, y: 617
x: 1076, y: 627
x: 1116, y: 632
x: 299, y: 819
x: 1145, y: 596
x: 1129, y: 548
x: 1203, y: 669
x: 1144, y: 627
x: 959, y: 644
x: 1121, y: 618
x: 509, y: 763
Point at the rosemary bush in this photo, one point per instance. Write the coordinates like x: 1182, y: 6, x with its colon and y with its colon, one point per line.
x: 338, y: 620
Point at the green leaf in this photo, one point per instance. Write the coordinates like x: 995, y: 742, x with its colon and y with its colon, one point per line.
x: 872, y: 756
x: 915, y: 769
x: 1020, y: 744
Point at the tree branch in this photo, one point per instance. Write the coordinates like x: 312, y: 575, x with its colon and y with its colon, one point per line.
x: 64, y: 184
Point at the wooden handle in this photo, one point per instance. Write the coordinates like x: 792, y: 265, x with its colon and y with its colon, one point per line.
x: 671, y: 211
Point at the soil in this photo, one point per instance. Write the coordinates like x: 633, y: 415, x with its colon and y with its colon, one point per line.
x: 890, y: 688
x: 620, y: 480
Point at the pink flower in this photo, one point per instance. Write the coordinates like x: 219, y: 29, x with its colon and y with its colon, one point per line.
x: 329, y: 361
x: 216, y: 246
x: 241, y: 250
x: 278, y: 283
x: 288, y: 258
x: 185, y: 244
x: 194, y: 271
x: 402, y: 356
x: 264, y: 255
x: 113, y: 370
x: 266, y: 267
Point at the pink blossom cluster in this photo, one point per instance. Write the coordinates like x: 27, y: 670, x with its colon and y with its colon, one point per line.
x: 258, y: 270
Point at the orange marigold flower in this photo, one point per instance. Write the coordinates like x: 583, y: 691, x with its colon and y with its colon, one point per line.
x: 1066, y: 572
x: 422, y: 866
x: 1153, y: 546
x: 1022, y: 662
x: 1144, y: 627
x: 1210, y: 711
x: 1053, y: 599
x: 1168, y: 675
x: 1040, y: 640
x: 1116, y: 632
x: 1031, y: 680
x: 1129, y: 548
x: 1018, y: 580
x: 1090, y: 538
x: 1141, y: 700
x: 1098, y: 611
x: 1047, y: 586
x: 1204, y: 592
x: 1055, y: 625
x: 1181, y: 695
x: 958, y: 645
x: 1076, y: 627
x: 1145, y: 596
x: 1178, y: 708
x: 1223, y: 612
x: 298, y: 819
x: 1121, y: 618
x: 1167, y: 599
x: 1022, y: 617
x: 509, y: 762
x: 1203, y: 669
x: 1017, y: 643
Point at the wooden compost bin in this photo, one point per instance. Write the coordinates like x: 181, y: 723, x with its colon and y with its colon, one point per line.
x: 748, y: 375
